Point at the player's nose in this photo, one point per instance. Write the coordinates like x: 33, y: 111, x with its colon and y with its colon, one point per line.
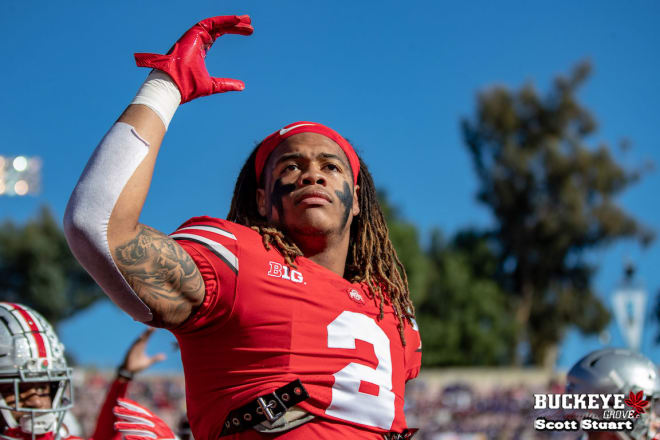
x: 37, y: 398
x: 312, y: 175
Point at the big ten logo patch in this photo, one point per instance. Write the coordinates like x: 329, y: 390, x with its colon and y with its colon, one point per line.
x: 285, y: 272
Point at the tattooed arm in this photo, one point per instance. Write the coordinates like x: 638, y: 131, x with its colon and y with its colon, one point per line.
x: 160, y: 272
x: 144, y: 272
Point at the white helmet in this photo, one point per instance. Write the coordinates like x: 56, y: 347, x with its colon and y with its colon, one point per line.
x: 30, y: 351
x: 618, y: 371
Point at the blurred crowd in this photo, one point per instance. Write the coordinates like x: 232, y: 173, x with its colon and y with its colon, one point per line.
x: 461, y: 411
x: 164, y: 395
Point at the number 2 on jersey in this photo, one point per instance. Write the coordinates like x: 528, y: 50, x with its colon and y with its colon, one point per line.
x: 348, y: 403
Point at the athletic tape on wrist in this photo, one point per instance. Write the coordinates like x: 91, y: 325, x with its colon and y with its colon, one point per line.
x: 160, y: 94
x: 88, y: 212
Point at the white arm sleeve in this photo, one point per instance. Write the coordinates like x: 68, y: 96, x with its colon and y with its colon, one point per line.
x: 160, y: 94
x: 88, y: 212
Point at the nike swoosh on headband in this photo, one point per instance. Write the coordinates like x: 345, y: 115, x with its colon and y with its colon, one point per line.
x: 286, y: 130
x: 269, y: 144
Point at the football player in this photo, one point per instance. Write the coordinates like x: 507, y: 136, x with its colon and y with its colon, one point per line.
x: 293, y: 315
x: 35, y: 380
x: 619, y: 371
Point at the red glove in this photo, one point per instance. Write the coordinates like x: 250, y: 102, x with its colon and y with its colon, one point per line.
x: 138, y: 423
x: 185, y: 60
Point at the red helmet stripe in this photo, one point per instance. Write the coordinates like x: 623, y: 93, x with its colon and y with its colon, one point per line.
x: 34, y: 330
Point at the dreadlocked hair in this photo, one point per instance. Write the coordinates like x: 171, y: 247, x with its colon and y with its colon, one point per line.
x: 371, y: 258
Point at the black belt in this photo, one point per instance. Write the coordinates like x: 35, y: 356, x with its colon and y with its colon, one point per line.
x: 267, y: 407
x: 405, y: 435
x: 270, y: 407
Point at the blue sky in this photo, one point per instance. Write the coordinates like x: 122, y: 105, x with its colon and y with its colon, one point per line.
x: 394, y: 78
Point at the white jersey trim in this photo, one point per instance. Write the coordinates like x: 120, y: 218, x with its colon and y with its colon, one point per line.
x: 209, y: 229
x: 225, y: 254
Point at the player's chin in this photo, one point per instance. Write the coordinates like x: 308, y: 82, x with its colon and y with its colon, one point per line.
x: 313, y: 222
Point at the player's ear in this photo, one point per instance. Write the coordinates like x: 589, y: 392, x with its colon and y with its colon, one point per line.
x: 261, y: 201
x: 356, y: 203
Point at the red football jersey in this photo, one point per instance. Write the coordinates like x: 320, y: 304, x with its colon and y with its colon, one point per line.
x: 263, y: 324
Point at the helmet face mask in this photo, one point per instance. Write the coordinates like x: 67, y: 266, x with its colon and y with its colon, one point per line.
x: 619, y: 371
x: 32, y: 356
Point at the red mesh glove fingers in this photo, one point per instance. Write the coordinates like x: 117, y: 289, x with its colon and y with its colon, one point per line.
x: 185, y: 60
x: 137, y: 423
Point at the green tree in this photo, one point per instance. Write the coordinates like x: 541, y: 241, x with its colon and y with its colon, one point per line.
x: 552, y: 196
x: 465, y: 317
x: 462, y: 313
x: 37, y: 269
x: 405, y: 238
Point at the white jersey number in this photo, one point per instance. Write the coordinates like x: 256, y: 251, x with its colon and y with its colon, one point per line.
x: 348, y: 403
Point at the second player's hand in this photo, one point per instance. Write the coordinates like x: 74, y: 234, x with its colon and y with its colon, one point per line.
x: 137, y: 359
x: 185, y: 60
x: 135, y: 422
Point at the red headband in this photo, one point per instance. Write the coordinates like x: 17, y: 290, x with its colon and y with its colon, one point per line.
x: 272, y: 141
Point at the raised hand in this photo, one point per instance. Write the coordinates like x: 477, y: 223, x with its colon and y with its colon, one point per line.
x: 135, y: 422
x: 185, y: 60
x: 137, y: 358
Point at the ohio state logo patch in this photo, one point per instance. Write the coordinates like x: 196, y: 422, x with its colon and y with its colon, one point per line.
x: 355, y: 296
